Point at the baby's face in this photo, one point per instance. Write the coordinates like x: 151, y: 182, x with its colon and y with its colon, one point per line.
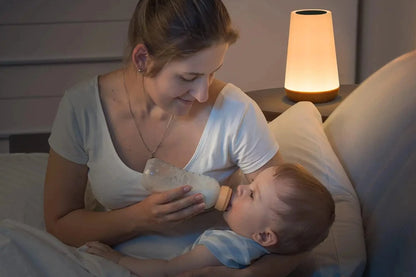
x: 250, y: 205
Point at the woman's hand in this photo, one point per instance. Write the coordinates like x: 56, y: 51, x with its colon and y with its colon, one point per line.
x: 163, y: 209
x: 103, y: 250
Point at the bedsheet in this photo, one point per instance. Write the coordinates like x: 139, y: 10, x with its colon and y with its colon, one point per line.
x: 25, y: 248
x: 21, y: 187
x: 27, y: 251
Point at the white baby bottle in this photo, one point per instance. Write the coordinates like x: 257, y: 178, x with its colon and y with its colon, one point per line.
x: 160, y: 176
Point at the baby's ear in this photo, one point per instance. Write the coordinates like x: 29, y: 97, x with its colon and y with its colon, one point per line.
x: 265, y: 238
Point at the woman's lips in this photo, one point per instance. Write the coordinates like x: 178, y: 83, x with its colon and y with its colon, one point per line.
x: 186, y: 102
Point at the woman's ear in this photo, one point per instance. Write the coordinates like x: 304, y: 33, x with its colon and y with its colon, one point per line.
x: 139, y: 57
x: 265, y: 238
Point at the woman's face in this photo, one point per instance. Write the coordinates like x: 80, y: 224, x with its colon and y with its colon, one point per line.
x: 182, y: 82
x: 250, y: 208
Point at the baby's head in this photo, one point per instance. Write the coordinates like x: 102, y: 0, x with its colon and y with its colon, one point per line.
x: 285, y: 209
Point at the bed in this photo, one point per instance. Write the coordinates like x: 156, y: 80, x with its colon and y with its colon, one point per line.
x: 364, y: 154
x: 300, y: 134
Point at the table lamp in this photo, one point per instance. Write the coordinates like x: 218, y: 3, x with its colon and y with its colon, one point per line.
x: 311, y: 65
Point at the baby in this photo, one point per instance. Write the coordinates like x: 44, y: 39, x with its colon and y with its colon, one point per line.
x: 285, y: 210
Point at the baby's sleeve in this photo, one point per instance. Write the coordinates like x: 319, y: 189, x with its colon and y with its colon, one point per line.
x: 230, y: 249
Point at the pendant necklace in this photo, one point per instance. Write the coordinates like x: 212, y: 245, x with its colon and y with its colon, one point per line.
x: 152, y: 152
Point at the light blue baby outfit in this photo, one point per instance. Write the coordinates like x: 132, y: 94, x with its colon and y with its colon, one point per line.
x: 231, y: 249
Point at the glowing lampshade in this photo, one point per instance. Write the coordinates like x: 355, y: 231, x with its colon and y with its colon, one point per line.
x: 311, y: 66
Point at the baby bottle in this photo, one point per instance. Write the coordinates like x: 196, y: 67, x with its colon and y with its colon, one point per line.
x: 160, y: 176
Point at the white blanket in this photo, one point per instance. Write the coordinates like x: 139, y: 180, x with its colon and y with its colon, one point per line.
x: 25, y: 248
x: 27, y: 251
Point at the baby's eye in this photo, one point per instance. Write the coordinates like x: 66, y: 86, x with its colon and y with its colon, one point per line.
x: 251, y: 194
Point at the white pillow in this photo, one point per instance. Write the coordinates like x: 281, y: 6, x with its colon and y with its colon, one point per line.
x: 302, y: 139
x: 373, y: 132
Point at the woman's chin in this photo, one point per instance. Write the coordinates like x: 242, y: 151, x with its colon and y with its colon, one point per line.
x: 181, y: 108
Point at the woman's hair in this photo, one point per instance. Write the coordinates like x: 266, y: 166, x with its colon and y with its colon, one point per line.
x: 305, y: 210
x: 174, y: 29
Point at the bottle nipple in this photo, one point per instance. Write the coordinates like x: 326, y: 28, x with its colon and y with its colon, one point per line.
x: 223, y: 199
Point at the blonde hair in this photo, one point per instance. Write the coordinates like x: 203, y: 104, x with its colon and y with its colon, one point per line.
x: 304, y: 212
x: 174, y: 29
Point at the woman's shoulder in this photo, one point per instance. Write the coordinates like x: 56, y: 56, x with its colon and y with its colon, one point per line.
x: 110, y: 81
x: 82, y: 99
x: 230, y: 94
x: 232, y: 105
x: 83, y: 91
x: 89, y: 91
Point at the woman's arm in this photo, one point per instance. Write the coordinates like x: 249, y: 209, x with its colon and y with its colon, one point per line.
x: 197, y: 258
x: 67, y: 218
x: 268, y: 265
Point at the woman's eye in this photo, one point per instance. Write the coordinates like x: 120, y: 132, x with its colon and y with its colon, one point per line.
x: 188, y: 79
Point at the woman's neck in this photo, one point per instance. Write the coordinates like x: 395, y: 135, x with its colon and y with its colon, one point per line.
x: 141, y: 103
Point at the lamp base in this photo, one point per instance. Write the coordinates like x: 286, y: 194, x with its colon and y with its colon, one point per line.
x: 314, y: 97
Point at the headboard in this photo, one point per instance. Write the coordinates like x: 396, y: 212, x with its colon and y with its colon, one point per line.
x: 47, y: 46
x: 29, y: 143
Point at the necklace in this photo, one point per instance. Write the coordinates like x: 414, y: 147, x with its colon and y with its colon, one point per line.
x: 152, y: 152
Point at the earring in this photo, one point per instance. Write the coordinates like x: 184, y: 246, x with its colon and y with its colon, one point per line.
x: 141, y: 62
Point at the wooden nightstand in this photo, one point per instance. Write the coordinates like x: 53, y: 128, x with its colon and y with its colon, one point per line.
x: 274, y: 101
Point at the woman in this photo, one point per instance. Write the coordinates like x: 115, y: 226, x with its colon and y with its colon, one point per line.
x: 164, y: 103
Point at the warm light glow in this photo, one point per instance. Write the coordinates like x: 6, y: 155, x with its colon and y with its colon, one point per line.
x: 311, y: 65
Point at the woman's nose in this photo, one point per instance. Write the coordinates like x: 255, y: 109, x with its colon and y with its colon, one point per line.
x: 200, y: 91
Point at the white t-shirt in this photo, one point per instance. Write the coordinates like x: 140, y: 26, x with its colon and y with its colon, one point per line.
x: 236, y: 135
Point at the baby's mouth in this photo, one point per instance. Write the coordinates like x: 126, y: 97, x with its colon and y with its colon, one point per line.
x: 230, y: 203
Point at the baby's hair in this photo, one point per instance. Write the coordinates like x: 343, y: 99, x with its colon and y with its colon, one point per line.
x: 305, y: 210
x: 174, y: 29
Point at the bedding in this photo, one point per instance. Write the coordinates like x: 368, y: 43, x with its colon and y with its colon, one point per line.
x: 21, y: 187
x: 301, y: 137
x: 27, y: 251
x: 25, y: 248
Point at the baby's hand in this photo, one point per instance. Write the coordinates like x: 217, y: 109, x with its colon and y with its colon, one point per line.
x: 103, y: 250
